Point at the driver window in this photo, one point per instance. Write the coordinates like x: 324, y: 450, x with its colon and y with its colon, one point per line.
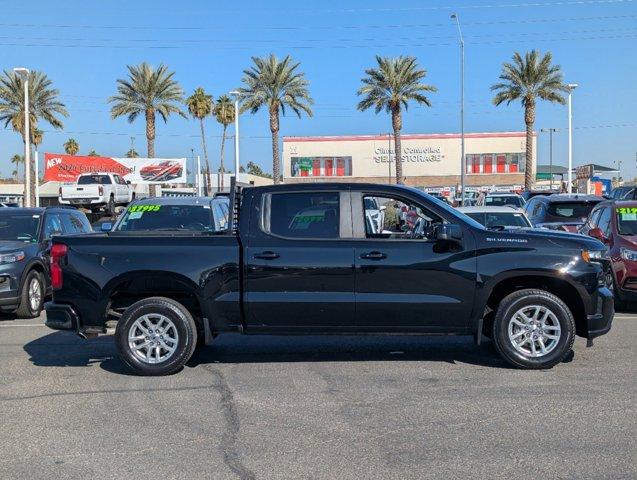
x: 394, y: 218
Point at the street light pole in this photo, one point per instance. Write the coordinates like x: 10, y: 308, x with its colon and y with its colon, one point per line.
x: 571, y: 87
x: 24, y: 73
x: 550, y: 131
x: 454, y: 16
x: 237, y: 165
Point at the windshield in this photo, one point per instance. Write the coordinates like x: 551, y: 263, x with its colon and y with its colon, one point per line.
x: 196, y: 218
x: 627, y: 220
x: 94, y: 179
x: 501, y: 201
x: 450, y: 210
x: 23, y: 228
x: 501, y: 219
x: 576, y: 210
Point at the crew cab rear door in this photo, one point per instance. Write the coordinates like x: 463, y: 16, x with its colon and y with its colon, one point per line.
x: 405, y: 278
x: 298, y: 266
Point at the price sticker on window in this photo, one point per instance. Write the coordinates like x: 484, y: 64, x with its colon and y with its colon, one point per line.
x: 627, y: 214
x: 144, y: 208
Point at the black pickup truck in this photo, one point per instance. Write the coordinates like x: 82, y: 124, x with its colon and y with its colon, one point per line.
x: 324, y: 258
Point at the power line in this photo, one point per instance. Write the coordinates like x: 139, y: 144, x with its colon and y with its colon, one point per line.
x: 311, y: 27
x: 340, y: 40
x: 312, y: 47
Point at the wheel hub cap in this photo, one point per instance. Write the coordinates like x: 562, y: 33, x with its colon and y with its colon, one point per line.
x: 35, y: 294
x: 534, y: 331
x: 153, y: 338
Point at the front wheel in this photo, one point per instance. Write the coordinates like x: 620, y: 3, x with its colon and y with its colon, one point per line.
x: 156, y: 336
x: 533, y: 329
x: 32, y: 296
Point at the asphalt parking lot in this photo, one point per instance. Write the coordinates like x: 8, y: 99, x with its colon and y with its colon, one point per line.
x: 316, y: 408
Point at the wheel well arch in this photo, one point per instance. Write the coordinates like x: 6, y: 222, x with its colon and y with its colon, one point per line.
x: 123, y: 291
x: 559, y: 287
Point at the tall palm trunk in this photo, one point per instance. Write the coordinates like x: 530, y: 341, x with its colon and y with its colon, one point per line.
x: 222, y: 170
x: 150, y: 140
x: 208, y: 182
x: 529, y: 119
x: 33, y: 180
x: 274, y: 128
x: 397, y: 124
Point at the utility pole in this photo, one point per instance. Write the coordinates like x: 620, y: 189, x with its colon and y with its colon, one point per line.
x: 571, y: 87
x: 455, y: 17
x: 551, y: 131
x: 24, y: 73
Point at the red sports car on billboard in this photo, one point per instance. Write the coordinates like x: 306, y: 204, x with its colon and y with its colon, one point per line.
x: 161, y: 172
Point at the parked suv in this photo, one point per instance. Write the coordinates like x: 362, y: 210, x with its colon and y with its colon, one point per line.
x: 625, y: 192
x: 566, y: 212
x: 25, y: 242
x: 615, y: 224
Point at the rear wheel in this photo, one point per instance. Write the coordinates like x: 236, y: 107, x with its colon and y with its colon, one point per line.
x: 32, y: 296
x: 533, y: 329
x: 156, y: 336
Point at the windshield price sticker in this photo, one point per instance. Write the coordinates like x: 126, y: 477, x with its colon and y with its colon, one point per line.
x: 627, y: 213
x: 144, y: 208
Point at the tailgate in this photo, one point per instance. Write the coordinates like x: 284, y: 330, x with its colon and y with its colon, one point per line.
x: 80, y: 191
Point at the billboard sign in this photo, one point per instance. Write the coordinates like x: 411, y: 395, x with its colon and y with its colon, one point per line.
x: 66, y: 168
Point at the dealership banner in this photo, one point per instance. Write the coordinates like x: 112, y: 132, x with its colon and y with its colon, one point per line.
x: 66, y: 168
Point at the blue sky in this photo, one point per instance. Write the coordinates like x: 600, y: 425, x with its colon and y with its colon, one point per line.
x: 85, y: 46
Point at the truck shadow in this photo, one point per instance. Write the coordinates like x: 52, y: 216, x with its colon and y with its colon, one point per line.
x: 64, y: 349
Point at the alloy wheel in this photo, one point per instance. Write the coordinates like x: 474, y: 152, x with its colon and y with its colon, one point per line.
x: 534, y: 331
x: 153, y: 338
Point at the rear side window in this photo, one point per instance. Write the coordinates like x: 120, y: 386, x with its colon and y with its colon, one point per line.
x: 74, y: 223
x: 94, y: 179
x: 304, y: 215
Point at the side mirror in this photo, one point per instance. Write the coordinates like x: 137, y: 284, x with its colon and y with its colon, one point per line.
x: 598, y: 234
x: 106, y: 227
x: 55, y: 233
x: 448, y: 232
x: 383, y: 208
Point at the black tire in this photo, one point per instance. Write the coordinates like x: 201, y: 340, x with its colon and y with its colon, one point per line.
x: 25, y: 310
x: 181, y: 319
x: 518, y: 300
x: 110, y: 207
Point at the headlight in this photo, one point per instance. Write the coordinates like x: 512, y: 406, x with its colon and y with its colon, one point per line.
x: 629, y: 254
x: 11, y: 257
x: 589, y: 255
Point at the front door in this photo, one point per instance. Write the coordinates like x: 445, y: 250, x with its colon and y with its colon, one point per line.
x: 404, y: 277
x: 299, y: 271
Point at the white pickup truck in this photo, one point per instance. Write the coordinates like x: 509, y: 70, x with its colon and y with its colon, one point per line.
x: 97, y: 191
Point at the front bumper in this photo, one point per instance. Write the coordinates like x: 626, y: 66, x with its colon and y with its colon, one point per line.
x: 61, y: 317
x: 9, y: 292
x: 599, y: 323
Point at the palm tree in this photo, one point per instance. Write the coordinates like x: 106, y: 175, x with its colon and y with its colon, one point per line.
x: 225, y: 115
x: 93, y: 153
x: 390, y: 87
x: 527, y: 79
x: 71, y: 147
x: 200, y: 106
x: 276, y: 85
x: 132, y: 153
x: 43, y: 105
x: 15, y: 175
x: 147, y: 91
x: 17, y: 160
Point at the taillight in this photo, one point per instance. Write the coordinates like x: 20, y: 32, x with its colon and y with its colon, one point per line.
x: 58, y: 251
x: 101, y: 190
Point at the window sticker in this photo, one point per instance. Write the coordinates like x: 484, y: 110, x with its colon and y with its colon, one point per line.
x: 135, y: 215
x: 144, y: 208
x: 627, y: 214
